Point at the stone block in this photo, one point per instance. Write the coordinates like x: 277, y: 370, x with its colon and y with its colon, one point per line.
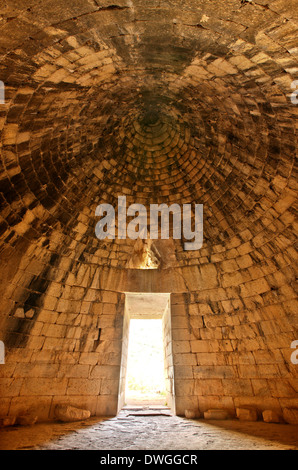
x: 82, y: 402
x: 185, y: 403
x: 7, y: 421
x: 109, y: 297
x: 181, y: 334
x: 109, y: 387
x: 290, y: 415
x: 73, y: 371
x: 247, y: 414
x: 109, y: 309
x: 183, y: 372
x: 43, y: 386
x: 237, y: 387
x: 107, y: 405
x: 106, y: 372
x: 88, y: 358
x: 270, y: 416
x: 10, y: 387
x: 185, y: 359
x: 209, y: 387
x: 19, y: 313
x: 27, y: 419
x: 184, y: 387
x: 216, y: 414
x: 83, y: 386
x: 209, y: 372
x: 69, y: 414
x: 30, y: 405
x: 192, y: 414
x: 180, y: 347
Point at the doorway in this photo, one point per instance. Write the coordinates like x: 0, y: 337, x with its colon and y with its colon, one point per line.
x: 147, y: 372
x: 145, y: 379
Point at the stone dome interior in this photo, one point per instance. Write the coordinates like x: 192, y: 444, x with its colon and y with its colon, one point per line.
x: 162, y: 102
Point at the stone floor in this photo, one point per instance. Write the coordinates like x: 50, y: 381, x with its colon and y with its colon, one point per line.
x: 144, y: 428
x: 133, y: 398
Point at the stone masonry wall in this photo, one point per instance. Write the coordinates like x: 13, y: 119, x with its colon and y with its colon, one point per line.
x: 227, y: 360
x: 72, y: 355
x: 168, y: 358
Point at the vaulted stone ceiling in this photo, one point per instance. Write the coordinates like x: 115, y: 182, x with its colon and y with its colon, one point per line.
x: 159, y: 101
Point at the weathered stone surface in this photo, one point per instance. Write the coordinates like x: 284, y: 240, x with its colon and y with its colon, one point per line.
x: 270, y: 416
x: 246, y: 414
x: 216, y: 414
x: 162, y: 104
x: 27, y: 419
x: 192, y: 414
x: 291, y: 415
x: 68, y: 413
x: 145, y: 434
x: 7, y: 421
x: 19, y: 313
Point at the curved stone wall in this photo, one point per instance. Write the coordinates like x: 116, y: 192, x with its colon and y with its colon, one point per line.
x: 162, y: 102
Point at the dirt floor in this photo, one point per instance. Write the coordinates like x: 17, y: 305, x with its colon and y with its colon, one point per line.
x: 150, y: 428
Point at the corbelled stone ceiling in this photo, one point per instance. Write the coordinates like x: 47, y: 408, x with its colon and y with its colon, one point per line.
x: 159, y: 101
x: 162, y: 102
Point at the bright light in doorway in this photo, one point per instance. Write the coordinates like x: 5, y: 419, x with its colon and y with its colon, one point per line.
x: 145, y: 367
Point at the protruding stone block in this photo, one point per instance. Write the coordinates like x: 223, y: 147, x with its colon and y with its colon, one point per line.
x: 216, y: 414
x: 247, y: 414
x: 68, y: 413
x: 291, y: 415
x: 27, y: 419
x: 19, y: 313
x: 30, y: 313
x: 192, y: 414
x: 270, y: 416
x: 7, y: 421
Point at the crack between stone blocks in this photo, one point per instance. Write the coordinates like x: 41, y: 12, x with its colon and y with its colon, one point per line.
x: 236, y: 23
x: 255, y: 4
x: 198, y: 25
x: 108, y: 8
x: 92, y: 367
x: 112, y: 7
